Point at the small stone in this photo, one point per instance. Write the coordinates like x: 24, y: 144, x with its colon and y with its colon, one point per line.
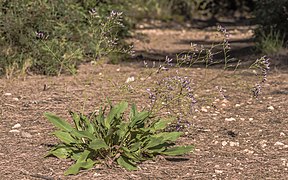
x: 237, y: 105
x: 223, y: 104
x: 7, y: 94
x: 242, y: 119
x: 14, y: 131
x: 270, y: 108
x: 118, y: 69
x: 234, y: 144
x: 279, y: 144
x: 230, y: 119
x: 16, y: 126
x: 97, y: 174
x: 26, y: 135
x: 15, y: 99
x: 270, y: 97
x: 229, y: 164
x: 218, y: 171
x: 100, y: 74
x: 142, y: 79
x: 224, y: 143
x: 130, y: 79
x: 204, y: 109
x: 282, y: 134
x: 248, y: 151
x: 251, y: 119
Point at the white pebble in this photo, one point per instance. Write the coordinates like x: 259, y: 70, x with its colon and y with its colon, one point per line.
x: 16, y: 126
x: 14, y: 131
x: 270, y: 108
x: 224, y: 143
x: 282, y: 134
x: 204, y: 110
x: 237, y: 105
x: 279, y: 144
x: 242, y: 119
x: 248, y: 151
x: 97, y: 174
x: 251, y: 119
x: 15, y: 99
x: 218, y: 171
x: 118, y: 69
x: 230, y: 119
x: 234, y: 144
x: 130, y: 79
x: 7, y: 94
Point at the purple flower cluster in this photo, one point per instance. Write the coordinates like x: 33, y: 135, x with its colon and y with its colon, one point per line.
x: 264, y: 65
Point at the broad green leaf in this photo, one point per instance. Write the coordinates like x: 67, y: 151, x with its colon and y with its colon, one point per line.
x: 97, y: 144
x: 133, y: 111
x: 161, y: 124
x: 139, y: 118
x: 58, y: 122
x: 65, y: 137
x: 178, y: 150
x: 76, y: 120
x: 125, y: 163
x: 154, y: 141
x: 89, y: 127
x: 122, y: 130
x: 82, y: 163
x: 135, y: 146
x: 75, y: 168
x: 115, y: 112
x: 60, y: 152
x: 168, y: 136
x: 82, y: 134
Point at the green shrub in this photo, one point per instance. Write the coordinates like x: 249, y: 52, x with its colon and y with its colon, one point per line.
x: 272, y: 18
x: 111, y: 137
x: 54, y: 36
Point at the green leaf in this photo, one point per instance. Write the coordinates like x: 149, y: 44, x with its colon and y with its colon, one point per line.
x: 135, y: 146
x: 97, y: 144
x: 139, y: 118
x: 58, y: 122
x: 75, y: 168
x: 178, y: 150
x: 168, y: 136
x: 89, y: 127
x: 133, y: 111
x: 161, y: 124
x: 154, y: 141
x: 82, y: 163
x: 65, y: 137
x: 82, y: 134
x: 125, y: 163
x: 76, y: 120
x: 122, y: 130
x: 115, y: 112
x: 61, y: 152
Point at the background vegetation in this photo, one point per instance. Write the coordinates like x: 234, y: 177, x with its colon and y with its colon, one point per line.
x: 53, y: 37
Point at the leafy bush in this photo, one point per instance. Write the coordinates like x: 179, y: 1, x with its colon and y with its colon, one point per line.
x: 51, y: 37
x: 272, y: 17
x: 111, y: 137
